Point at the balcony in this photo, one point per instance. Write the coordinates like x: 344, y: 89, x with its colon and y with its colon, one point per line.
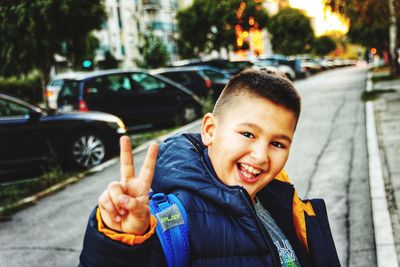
x: 151, y: 5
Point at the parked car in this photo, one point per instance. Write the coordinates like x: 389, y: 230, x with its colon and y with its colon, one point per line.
x: 223, y: 64
x: 136, y: 96
x: 270, y: 64
x: 310, y: 64
x: 292, y: 62
x: 54, y: 86
x: 202, y: 80
x: 31, y: 136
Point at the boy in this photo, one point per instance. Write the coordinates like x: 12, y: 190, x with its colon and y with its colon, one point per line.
x: 242, y: 210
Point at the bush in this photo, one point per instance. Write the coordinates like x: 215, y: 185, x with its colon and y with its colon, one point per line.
x: 29, y: 89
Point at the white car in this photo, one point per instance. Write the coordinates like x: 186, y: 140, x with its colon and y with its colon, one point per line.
x: 55, y: 85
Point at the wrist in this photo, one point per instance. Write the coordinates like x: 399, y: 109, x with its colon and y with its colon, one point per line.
x: 126, y: 238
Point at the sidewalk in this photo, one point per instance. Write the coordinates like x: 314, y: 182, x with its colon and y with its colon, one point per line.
x: 384, y: 166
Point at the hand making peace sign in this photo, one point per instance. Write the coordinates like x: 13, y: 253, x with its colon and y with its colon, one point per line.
x: 124, y: 205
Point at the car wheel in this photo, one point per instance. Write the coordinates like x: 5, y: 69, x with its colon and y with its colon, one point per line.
x: 87, y: 150
x: 187, y: 113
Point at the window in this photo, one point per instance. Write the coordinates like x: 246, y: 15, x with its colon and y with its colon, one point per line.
x: 11, y: 109
x: 59, y: 82
x: 214, y: 75
x: 146, y: 82
x: 70, y: 89
x: 112, y: 83
x: 179, y: 77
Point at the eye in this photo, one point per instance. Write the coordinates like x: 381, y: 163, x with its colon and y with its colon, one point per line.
x: 278, y: 145
x: 247, y: 134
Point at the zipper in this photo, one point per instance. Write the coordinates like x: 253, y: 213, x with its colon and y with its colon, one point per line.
x: 275, y: 256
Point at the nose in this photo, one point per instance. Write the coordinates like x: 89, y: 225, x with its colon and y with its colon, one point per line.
x: 259, y: 153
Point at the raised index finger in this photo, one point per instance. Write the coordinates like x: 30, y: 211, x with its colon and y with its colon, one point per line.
x: 126, y: 158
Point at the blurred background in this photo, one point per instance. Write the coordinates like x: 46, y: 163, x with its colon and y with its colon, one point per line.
x: 42, y: 39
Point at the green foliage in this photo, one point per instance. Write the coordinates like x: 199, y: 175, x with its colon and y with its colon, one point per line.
x: 291, y: 32
x: 208, y: 104
x: 375, y: 94
x: 369, y: 20
x: 80, y: 50
x: 109, y: 62
x: 28, y: 89
x: 155, y: 53
x: 323, y: 45
x: 209, y: 25
x: 32, y: 32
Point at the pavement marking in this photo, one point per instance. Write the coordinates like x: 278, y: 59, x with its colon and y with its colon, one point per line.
x: 384, y: 240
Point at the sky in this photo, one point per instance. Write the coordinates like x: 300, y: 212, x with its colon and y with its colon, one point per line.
x: 323, y: 19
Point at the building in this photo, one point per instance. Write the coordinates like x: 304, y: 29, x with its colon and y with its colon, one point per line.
x: 120, y: 33
x: 130, y: 20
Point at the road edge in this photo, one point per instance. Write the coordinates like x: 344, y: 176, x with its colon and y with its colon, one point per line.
x: 383, y: 231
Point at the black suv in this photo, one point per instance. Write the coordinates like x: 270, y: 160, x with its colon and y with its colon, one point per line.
x: 202, y: 80
x: 136, y: 96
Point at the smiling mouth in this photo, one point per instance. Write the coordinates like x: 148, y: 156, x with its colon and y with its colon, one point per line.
x: 248, y: 173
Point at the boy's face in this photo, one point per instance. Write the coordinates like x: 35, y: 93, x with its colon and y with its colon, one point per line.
x: 250, y: 145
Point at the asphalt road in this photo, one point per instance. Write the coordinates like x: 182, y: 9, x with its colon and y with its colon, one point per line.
x: 328, y: 160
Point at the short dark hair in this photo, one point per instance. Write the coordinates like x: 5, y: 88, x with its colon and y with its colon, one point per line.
x: 262, y: 83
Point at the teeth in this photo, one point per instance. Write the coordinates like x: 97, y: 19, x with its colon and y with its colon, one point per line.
x: 251, y: 169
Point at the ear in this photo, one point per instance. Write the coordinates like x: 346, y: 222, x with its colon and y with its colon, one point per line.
x: 208, y: 128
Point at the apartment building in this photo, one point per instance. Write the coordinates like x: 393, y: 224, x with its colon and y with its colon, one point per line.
x: 129, y: 21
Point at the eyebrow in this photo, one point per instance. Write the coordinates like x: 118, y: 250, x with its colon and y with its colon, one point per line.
x: 256, y: 127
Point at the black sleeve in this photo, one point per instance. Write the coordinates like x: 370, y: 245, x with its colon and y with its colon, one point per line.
x: 99, y: 250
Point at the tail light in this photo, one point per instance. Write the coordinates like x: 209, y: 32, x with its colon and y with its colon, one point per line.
x: 208, y: 83
x: 83, y: 106
x: 49, y: 93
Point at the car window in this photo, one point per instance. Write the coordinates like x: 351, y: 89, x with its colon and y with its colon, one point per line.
x: 69, y: 90
x: 95, y: 85
x: 183, y: 78
x: 146, y: 82
x: 118, y: 83
x: 175, y: 76
x: 110, y: 83
x: 58, y: 82
x: 11, y: 109
x: 195, y: 78
x: 214, y: 75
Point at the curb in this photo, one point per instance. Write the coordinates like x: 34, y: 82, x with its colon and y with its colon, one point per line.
x: 31, y: 200
x: 161, y: 139
x: 384, y: 240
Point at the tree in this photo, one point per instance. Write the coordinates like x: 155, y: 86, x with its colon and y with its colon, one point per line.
x: 323, y: 45
x: 154, y: 52
x: 109, y: 62
x: 291, y: 32
x: 370, y: 21
x: 209, y: 25
x: 32, y: 32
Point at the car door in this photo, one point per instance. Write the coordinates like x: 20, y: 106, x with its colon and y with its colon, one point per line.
x: 21, y: 137
x: 157, y: 101
x: 113, y: 94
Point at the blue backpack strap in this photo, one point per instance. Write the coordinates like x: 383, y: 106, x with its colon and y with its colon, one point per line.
x: 172, y: 228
